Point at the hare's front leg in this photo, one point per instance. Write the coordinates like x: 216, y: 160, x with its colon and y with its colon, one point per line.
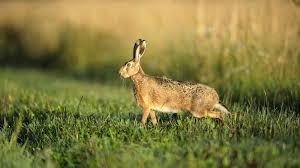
x: 153, y: 117
x: 146, y: 112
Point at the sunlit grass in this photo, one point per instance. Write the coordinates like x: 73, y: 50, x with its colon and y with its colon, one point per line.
x: 65, y: 122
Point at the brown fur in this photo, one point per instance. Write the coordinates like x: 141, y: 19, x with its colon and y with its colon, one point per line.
x: 162, y: 94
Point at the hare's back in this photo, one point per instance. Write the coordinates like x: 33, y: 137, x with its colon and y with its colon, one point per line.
x: 183, y: 86
x: 167, y: 95
x: 189, y: 89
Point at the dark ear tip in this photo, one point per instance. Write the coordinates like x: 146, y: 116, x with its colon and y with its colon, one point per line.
x: 139, y: 41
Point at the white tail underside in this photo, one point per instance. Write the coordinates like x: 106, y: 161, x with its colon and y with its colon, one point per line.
x: 220, y: 107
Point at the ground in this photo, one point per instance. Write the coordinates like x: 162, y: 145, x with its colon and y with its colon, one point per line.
x: 49, y: 120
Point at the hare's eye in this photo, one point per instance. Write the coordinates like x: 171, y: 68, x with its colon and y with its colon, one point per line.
x: 128, y: 64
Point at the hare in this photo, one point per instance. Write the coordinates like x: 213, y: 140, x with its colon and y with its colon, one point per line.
x: 165, y: 95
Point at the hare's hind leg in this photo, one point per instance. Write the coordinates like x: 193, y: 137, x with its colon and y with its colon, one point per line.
x: 198, y: 114
x: 213, y: 114
x: 204, y: 108
x: 210, y: 114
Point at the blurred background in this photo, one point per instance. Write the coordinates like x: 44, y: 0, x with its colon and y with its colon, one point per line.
x: 246, y: 49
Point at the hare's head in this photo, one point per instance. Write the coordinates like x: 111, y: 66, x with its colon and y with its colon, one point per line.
x: 132, y: 67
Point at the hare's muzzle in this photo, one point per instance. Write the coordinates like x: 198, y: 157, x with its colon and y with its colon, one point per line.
x: 121, y: 72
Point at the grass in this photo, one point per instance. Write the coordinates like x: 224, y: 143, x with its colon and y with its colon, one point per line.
x: 47, y: 120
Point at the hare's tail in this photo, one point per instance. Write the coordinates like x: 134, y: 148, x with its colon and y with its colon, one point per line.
x: 220, y: 107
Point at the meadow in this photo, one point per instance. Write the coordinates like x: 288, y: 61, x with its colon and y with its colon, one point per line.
x: 54, y: 121
x: 62, y: 103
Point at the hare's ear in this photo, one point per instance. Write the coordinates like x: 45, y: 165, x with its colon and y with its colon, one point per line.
x: 139, y: 49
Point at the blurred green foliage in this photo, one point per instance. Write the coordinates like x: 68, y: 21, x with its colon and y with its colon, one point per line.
x: 297, y: 2
x: 76, y: 52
